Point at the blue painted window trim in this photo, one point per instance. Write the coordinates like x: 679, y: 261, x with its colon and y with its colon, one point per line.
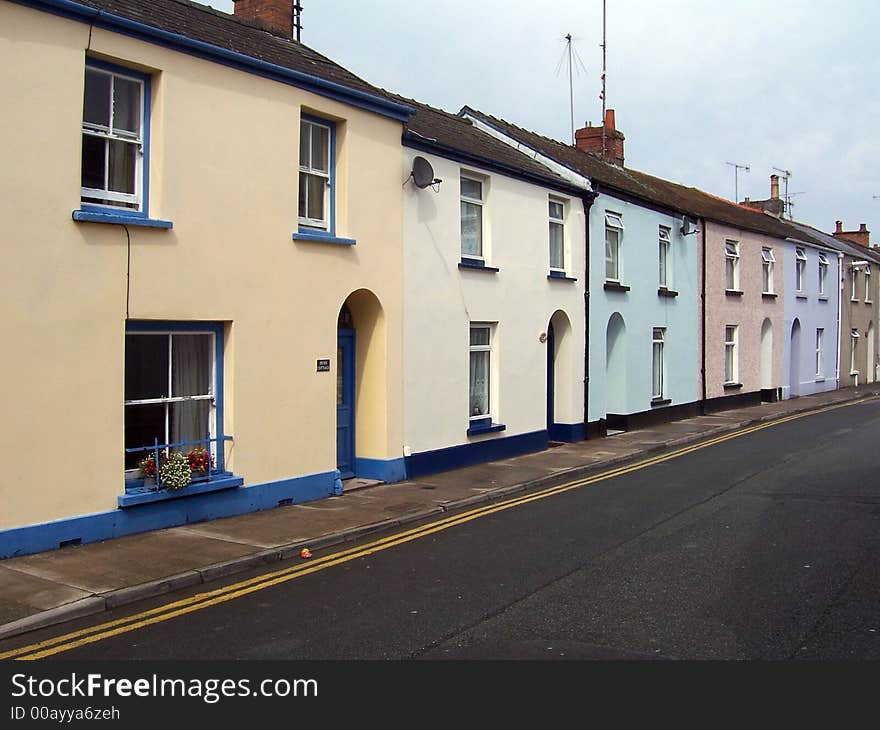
x: 477, y: 265
x: 201, y: 49
x: 316, y: 236
x: 560, y: 276
x: 93, y: 215
x: 119, y: 211
x: 320, y: 234
x: 478, y: 428
x: 215, y: 484
x: 146, y: 326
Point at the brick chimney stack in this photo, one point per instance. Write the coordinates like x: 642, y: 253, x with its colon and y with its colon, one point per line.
x: 589, y: 139
x: 773, y: 205
x: 275, y: 16
x: 862, y: 236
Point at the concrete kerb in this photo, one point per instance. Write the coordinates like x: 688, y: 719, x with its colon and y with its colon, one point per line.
x: 118, y: 597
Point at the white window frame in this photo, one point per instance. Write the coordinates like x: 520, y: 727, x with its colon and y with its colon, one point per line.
x: 555, y: 222
x: 767, y: 264
x: 731, y: 344
x: 868, y: 284
x: 664, y: 253
x: 854, y: 278
x: 614, y: 226
x: 823, y: 273
x: 658, y: 362
x: 820, y: 333
x: 487, y: 348
x: 171, y: 398
x: 480, y: 204
x: 116, y: 200
x: 311, y: 171
x: 800, y: 266
x: 731, y: 265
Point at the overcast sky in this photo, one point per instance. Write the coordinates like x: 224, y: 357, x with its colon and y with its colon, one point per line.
x: 695, y: 83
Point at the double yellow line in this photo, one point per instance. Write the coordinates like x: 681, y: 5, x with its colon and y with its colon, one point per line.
x: 93, y: 634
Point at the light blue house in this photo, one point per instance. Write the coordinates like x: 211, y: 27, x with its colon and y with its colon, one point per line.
x: 812, y: 318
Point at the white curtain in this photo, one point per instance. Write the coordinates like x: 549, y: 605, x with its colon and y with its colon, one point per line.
x: 190, y: 375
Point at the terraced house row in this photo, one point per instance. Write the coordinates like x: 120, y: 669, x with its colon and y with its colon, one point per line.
x: 222, y: 244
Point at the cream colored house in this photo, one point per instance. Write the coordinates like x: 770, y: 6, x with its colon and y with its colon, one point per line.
x: 193, y: 257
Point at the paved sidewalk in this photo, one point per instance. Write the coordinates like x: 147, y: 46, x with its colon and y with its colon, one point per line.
x: 49, y: 588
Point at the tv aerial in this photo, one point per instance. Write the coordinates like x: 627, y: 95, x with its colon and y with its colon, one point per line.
x: 423, y: 175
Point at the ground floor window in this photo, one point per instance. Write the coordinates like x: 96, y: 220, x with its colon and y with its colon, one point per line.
x: 172, y: 375
x: 730, y: 354
x: 658, y: 342
x: 480, y: 353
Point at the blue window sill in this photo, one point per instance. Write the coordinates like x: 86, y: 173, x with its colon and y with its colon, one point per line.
x: 121, y: 219
x: 147, y: 495
x: 321, y: 237
x: 482, y: 428
x: 561, y: 276
x: 476, y: 265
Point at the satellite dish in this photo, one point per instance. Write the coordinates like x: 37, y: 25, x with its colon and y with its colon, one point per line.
x: 688, y: 226
x: 423, y: 173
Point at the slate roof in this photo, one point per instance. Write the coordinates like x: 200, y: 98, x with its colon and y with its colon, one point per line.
x: 847, y: 247
x: 673, y: 196
x: 205, y: 24
x: 442, y: 131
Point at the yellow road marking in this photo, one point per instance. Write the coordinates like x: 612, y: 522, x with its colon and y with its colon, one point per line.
x: 199, y: 601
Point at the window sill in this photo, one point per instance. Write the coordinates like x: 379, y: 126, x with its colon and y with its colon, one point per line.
x: 732, y: 386
x: 119, y: 219
x: 664, y: 292
x: 145, y: 495
x: 854, y: 301
x: 655, y: 402
x: 869, y: 301
x: 733, y: 292
x: 820, y: 379
x: 321, y: 237
x: 768, y: 295
x: 801, y: 296
x: 822, y: 298
x: 561, y: 276
x: 485, y: 428
x: 615, y: 286
x: 476, y: 265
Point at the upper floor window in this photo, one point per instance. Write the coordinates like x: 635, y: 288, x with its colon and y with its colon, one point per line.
x: 664, y: 245
x: 557, y: 234
x: 471, y: 218
x: 613, y: 236
x: 823, y: 273
x: 800, y: 265
x: 868, y: 284
x: 114, y: 138
x: 767, y: 261
x: 316, y: 174
x: 853, y: 279
x: 731, y: 265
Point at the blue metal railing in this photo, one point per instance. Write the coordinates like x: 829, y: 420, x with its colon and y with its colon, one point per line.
x: 158, y: 449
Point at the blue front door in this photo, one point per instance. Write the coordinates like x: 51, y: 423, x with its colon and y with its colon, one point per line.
x: 345, y: 354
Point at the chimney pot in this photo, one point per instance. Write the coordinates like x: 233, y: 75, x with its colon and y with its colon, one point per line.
x: 609, y: 119
x: 774, y: 187
x: 839, y: 225
x: 862, y: 228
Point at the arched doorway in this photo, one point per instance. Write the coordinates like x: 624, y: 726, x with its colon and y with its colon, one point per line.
x: 766, y: 355
x: 559, y: 375
x: 615, y: 365
x: 794, y: 369
x: 360, y: 381
x: 871, y: 374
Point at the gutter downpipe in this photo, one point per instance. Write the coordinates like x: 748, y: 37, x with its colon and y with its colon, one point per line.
x: 703, y: 315
x: 587, y: 199
x: 841, y: 283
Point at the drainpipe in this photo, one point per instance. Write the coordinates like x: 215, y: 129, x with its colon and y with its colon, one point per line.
x: 587, y: 200
x: 703, y: 315
x: 841, y: 280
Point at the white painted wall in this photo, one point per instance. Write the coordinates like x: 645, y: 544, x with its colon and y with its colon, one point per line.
x: 440, y: 300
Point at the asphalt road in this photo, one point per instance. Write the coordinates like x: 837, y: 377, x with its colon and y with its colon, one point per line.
x: 766, y: 546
